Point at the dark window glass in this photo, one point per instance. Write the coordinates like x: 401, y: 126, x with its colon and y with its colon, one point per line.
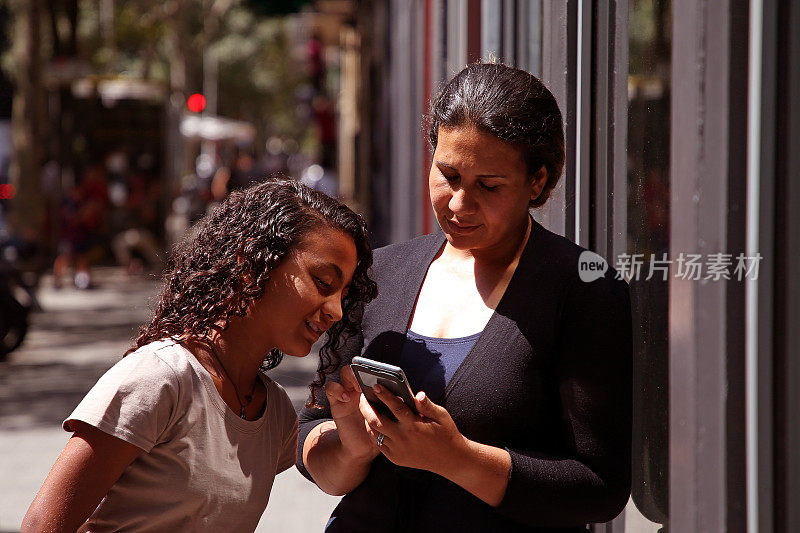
x: 648, y: 234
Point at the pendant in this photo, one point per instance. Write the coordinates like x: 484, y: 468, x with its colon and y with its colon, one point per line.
x: 243, y: 414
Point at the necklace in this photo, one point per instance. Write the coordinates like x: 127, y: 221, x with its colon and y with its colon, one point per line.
x: 248, y: 398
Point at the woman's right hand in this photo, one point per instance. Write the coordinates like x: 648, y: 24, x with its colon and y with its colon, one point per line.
x: 344, y: 399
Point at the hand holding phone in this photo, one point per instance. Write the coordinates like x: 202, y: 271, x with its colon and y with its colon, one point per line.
x: 369, y: 372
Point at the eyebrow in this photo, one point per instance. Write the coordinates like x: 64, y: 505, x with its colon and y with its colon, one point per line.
x: 335, y: 268
x: 451, y: 167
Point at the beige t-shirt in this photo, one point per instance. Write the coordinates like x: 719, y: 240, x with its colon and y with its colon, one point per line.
x: 205, y: 469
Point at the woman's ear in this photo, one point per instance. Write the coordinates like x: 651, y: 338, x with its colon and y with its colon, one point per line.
x: 538, y: 181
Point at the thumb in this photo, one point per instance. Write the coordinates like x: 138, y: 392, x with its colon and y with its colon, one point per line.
x: 336, y: 392
x: 425, y: 406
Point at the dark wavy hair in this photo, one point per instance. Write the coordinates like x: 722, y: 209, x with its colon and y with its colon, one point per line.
x: 214, y: 274
x: 511, y: 104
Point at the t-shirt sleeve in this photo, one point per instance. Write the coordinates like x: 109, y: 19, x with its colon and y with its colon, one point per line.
x: 286, y: 420
x: 289, y: 448
x: 134, y: 401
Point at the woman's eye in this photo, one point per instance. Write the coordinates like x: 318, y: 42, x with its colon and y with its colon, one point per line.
x: 450, y: 177
x: 322, y: 284
x: 489, y: 187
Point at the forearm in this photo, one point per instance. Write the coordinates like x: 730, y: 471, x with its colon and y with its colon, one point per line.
x: 479, y: 469
x: 53, y: 512
x: 333, y: 469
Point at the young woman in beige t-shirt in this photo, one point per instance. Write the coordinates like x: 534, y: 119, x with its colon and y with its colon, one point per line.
x: 187, y: 432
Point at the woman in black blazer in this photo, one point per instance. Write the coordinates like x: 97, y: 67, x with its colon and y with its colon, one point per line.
x: 522, y: 370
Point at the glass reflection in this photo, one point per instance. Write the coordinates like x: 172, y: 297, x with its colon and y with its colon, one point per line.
x: 648, y: 234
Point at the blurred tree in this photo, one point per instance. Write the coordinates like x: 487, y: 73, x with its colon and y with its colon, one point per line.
x: 166, y: 41
x: 171, y: 42
x: 24, y: 66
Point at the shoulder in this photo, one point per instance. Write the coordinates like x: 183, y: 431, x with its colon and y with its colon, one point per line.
x: 138, y: 397
x: 165, y: 360
x: 147, y: 363
x: 408, y: 249
x: 569, y: 263
x: 577, y: 282
x: 395, y: 262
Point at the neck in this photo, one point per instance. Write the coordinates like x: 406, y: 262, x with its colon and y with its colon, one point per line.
x: 239, y: 356
x: 501, y: 256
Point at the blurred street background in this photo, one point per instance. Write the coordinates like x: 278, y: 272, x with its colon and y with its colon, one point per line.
x: 123, y: 122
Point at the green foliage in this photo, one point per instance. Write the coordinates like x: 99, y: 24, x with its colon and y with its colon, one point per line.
x: 258, y: 71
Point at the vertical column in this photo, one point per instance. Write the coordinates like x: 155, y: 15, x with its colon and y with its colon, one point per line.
x: 585, y: 86
x: 609, y: 126
x: 427, y: 65
x: 760, y: 293
x: 532, y: 36
x: 404, y: 113
x: 456, y: 36
x: 375, y: 18
x: 473, y: 37
x: 701, y: 180
x: 492, y: 29
x: 509, y: 33
x: 559, y: 27
x: 787, y: 279
x: 605, y: 209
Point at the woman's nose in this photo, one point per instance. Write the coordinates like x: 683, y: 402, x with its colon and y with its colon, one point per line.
x: 460, y: 201
x: 333, y: 308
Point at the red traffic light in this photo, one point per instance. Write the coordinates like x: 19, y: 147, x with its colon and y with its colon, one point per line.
x: 7, y: 191
x: 196, y: 103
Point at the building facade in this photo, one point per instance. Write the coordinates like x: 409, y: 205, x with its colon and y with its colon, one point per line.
x: 682, y: 124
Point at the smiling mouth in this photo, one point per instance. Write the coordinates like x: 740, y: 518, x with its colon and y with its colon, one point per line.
x: 314, y: 328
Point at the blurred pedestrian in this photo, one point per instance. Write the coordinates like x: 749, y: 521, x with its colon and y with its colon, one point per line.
x: 83, y: 212
x: 135, y: 246
x: 187, y: 432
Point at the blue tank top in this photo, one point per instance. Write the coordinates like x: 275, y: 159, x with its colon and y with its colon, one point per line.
x: 429, y: 362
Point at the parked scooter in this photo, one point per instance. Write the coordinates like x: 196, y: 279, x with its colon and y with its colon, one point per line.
x: 17, y: 297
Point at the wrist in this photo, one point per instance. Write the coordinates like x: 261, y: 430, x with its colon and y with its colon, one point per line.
x: 481, y: 469
x: 353, y: 447
x: 364, y: 456
x: 457, y: 460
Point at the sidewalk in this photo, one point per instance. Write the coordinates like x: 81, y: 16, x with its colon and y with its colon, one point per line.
x: 79, y: 336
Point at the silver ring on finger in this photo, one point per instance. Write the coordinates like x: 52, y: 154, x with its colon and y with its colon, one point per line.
x: 380, y: 438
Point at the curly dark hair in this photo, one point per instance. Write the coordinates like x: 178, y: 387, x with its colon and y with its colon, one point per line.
x: 511, y: 104
x: 214, y: 274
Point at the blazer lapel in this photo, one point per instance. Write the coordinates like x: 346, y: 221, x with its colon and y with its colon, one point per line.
x: 391, y: 312
x: 500, y: 329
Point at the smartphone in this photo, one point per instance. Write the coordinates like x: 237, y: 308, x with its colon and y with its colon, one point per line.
x: 390, y: 377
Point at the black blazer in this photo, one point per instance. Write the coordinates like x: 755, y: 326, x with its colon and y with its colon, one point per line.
x: 549, y: 380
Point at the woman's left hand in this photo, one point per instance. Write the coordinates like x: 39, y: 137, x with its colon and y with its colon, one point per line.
x: 429, y: 442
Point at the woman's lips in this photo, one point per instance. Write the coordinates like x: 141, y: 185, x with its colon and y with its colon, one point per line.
x: 462, y: 228
x: 315, y: 330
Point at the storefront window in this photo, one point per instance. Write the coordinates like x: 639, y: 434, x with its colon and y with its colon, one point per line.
x: 648, y: 236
